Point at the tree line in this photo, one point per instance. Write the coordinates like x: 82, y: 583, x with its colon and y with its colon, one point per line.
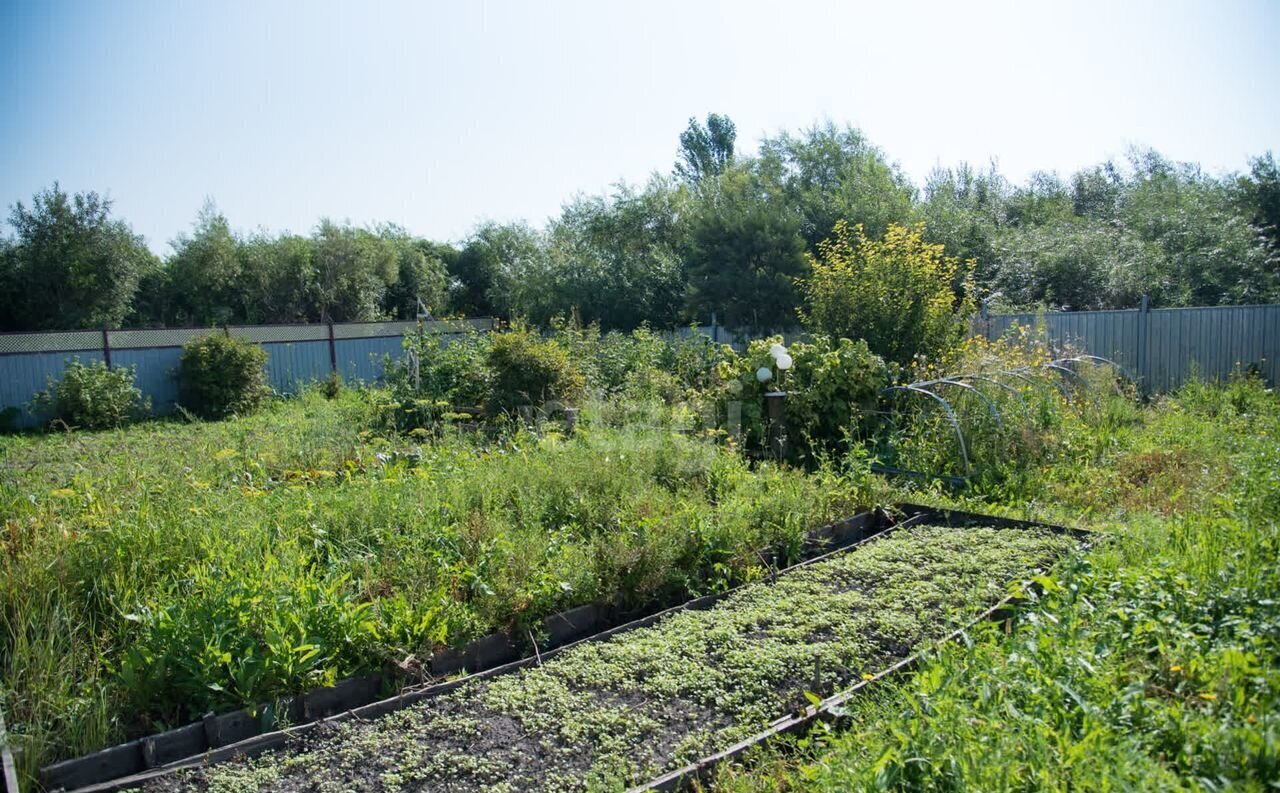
x: 724, y: 231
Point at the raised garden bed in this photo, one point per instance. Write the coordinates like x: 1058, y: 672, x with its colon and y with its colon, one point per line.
x: 240, y: 730
x: 659, y: 697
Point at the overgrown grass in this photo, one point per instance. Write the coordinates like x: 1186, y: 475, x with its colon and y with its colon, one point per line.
x: 151, y: 574
x: 1150, y: 664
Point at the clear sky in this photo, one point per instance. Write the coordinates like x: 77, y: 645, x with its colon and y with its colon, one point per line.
x: 439, y: 115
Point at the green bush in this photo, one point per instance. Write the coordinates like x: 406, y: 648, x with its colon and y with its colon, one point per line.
x: 219, y: 376
x: 828, y: 386
x: 904, y: 296
x: 437, y: 374
x: 642, y: 365
x: 448, y: 368
x: 92, y: 397
x: 526, y: 369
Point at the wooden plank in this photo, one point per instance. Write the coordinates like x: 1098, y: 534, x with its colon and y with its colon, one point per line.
x: 10, y: 770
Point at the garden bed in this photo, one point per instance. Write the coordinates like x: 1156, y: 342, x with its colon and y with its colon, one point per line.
x: 238, y: 730
x: 618, y: 712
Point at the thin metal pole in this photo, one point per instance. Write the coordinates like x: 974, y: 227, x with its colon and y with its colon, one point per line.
x: 1144, y: 336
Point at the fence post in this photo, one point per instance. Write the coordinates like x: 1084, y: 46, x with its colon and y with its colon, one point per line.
x: 715, y: 331
x: 106, y: 348
x: 1144, y: 334
x: 775, y: 404
x: 7, y: 766
x: 333, y: 350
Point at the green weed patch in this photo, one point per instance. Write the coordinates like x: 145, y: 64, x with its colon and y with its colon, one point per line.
x: 151, y: 575
x: 1150, y: 664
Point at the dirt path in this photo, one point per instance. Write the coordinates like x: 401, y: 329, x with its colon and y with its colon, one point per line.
x: 604, y: 715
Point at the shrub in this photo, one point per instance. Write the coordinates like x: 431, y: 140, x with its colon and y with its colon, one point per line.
x: 331, y: 386
x: 219, y: 376
x: 828, y: 386
x: 442, y: 367
x: 526, y: 369
x: 641, y: 364
x: 901, y: 294
x: 93, y: 397
x: 438, y: 373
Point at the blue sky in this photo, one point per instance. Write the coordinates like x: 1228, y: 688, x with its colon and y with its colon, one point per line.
x: 437, y: 116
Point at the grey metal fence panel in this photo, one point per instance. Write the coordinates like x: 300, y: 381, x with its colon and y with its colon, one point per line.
x: 296, y: 356
x: 156, y: 337
x: 156, y: 376
x: 362, y: 359
x: 25, y: 375
x: 269, y: 333
x: 293, y: 365
x: 60, y: 341
x: 1164, y: 348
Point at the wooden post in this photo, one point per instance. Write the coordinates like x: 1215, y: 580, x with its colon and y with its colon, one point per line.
x: 775, y: 402
x: 333, y: 350
x: 106, y: 348
x: 6, y: 759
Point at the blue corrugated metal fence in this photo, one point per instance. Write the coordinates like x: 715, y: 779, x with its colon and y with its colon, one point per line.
x: 1163, y: 348
x: 296, y: 356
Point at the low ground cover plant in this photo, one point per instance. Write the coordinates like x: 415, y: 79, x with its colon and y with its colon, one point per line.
x: 610, y: 714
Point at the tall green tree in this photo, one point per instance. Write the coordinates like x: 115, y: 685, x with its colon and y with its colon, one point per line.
x: 1259, y: 192
x: 484, y: 273
x: 613, y: 260
x: 354, y: 268
x: 706, y: 150
x: 746, y: 251
x: 1206, y: 252
x: 963, y: 210
x: 69, y: 264
x: 829, y: 173
x: 420, y: 275
x: 279, y: 282
x: 205, y: 273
